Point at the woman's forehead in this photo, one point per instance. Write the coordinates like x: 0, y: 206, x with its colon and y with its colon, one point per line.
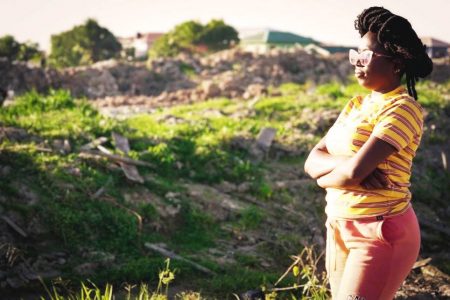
x: 369, y: 42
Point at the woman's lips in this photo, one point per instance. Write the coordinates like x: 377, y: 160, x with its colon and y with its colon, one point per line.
x: 360, y: 74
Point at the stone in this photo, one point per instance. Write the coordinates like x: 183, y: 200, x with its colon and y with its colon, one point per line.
x: 5, y: 171
x: 210, y: 89
x: 265, y: 137
x: 255, y: 90
x: 87, y: 268
x: 217, y: 204
x: 15, y: 282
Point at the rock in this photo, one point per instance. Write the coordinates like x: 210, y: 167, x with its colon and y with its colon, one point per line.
x: 265, y: 138
x: 238, y: 74
x: 66, y: 146
x: 256, y: 151
x: 173, y: 196
x: 228, y: 82
x: 14, y: 134
x: 444, y: 290
x: 49, y: 274
x: 15, y: 282
x: 244, y: 187
x: 143, y: 196
x: 171, y: 119
x: 252, y: 295
x: 430, y: 271
x: 226, y: 187
x: 219, y: 205
x: 87, y: 268
x: 20, y: 77
x: 61, y: 146
x: 74, y: 171
x: 255, y: 90
x: 26, y: 195
x: 210, y: 89
x: 139, y: 196
x: 212, y: 113
x: 5, y: 171
x: 101, y: 85
x: 103, y: 258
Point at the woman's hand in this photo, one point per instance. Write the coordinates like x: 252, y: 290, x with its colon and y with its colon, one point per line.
x: 376, y: 180
x: 320, y: 162
x: 359, y: 167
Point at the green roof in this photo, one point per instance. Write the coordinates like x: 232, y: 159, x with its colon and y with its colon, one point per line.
x: 277, y: 37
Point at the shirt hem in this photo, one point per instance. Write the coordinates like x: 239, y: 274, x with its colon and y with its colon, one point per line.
x: 371, y: 217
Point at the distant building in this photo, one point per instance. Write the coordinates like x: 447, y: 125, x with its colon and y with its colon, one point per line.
x: 316, y: 49
x: 140, y: 43
x: 260, y: 40
x: 336, y: 49
x: 264, y: 39
x: 435, y: 47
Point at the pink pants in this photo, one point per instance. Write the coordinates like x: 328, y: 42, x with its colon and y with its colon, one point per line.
x: 369, y: 259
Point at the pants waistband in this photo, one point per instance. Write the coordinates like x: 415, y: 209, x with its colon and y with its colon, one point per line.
x: 375, y: 218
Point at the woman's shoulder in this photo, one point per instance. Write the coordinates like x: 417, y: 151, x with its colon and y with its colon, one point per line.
x: 405, y: 101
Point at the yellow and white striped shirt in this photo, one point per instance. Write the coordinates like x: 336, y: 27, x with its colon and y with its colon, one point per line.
x: 394, y: 117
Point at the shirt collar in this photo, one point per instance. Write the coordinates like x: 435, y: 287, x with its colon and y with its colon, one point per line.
x: 398, y: 90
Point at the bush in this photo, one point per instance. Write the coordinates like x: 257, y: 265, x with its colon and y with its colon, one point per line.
x: 192, y: 36
x: 13, y: 50
x: 83, y: 45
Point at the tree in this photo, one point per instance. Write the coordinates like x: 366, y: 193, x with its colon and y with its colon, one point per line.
x: 30, y: 51
x: 83, y: 45
x: 13, y: 50
x: 9, y: 47
x: 217, y: 35
x: 187, y: 34
x: 164, y: 46
x: 190, y: 36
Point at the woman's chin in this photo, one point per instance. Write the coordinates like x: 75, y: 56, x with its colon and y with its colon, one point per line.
x: 363, y: 81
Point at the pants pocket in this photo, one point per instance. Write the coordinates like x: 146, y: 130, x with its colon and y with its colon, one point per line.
x: 390, y: 230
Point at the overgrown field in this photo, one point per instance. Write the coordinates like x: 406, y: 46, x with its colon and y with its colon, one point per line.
x: 209, y: 193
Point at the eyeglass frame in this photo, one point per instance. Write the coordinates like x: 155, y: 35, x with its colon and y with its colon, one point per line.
x: 358, y: 54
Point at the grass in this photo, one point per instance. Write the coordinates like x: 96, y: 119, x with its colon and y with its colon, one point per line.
x: 90, y: 291
x: 186, y: 143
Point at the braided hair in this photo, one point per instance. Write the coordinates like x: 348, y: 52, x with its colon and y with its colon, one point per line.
x: 398, y: 38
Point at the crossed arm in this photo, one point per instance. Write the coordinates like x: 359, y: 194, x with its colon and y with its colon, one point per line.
x: 346, y: 171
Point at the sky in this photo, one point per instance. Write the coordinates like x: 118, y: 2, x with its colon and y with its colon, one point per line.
x: 329, y: 21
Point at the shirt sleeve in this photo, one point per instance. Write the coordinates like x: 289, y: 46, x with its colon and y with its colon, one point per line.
x: 399, y: 123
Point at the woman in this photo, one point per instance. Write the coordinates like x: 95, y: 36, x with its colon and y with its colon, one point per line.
x: 364, y: 163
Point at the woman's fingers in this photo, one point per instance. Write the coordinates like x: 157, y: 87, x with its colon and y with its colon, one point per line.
x: 370, y: 182
x: 376, y: 180
x: 380, y: 177
x: 384, y: 178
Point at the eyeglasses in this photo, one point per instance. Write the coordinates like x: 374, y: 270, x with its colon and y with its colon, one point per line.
x: 364, y: 57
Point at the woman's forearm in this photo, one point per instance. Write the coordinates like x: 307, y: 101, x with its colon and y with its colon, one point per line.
x: 320, y: 162
x: 339, y: 177
x: 353, y: 171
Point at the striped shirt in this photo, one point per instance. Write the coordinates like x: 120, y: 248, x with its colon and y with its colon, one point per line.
x: 397, y: 119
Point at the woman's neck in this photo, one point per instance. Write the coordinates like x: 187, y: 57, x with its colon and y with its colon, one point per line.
x: 386, y: 89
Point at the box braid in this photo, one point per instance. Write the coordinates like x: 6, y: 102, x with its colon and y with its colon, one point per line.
x: 400, y: 40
